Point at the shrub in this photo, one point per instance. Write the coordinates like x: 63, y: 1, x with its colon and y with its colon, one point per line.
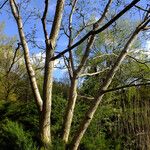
x: 12, y: 136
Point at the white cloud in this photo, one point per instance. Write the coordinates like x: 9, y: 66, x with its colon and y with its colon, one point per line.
x: 39, y: 58
x: 148, y: 45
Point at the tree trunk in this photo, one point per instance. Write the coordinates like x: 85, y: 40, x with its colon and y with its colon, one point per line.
x: 45, y: 123
x: 28, y: 64
x: 90, y: 113
x: 70, y: 110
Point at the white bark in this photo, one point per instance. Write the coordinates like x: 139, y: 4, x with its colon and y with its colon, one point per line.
x: 70, y: 110
x: 76, y: 73
x: 30, y: 70
x: 45, y: 122
x: 90, y: 113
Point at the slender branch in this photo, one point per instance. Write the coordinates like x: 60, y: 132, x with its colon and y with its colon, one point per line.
x: 67, y: 64
x: 3, y: 4
x: 92, y: 74
x: 114, y: 89
x: 109, y: 77
x: 103, y: 55
x: 81, y: 29
x: 138, y: 61
x: 70, y: 36
x: 126, y: 86
x: 97, y: 31
x: 103, y: 15
x: 16, y: 8
x: 86, y: 97
x: 44, y: 19
x: 142, y: 8
x: 147, y: 28
x: 56, y: 23
x: 92, y: 38
x: 13, y: 61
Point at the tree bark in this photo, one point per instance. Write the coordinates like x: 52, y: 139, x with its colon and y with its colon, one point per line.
x: 76, y: 73
x: 45, y: 134
x: 90, y: 113
x: 45, y: 122
x: 70, y: 109
x: 30, y: 70
x: 45, y: 105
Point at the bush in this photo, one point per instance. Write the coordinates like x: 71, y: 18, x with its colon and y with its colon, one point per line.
x: 12, y: 136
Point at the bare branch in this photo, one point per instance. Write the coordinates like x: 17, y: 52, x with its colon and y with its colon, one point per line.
x: 82, y: 28
x: 3, y: 4
x: 70, y: 36
x: 103, y: 15
x: 13, y: 61
x: 97, y: 31
x: 142, y: 8
x: 138, y: 61
x: 146, y: 28
x: 110, y: 75
x: 115, y: 89
x: 126, y: 86
x: 94, y: 73
x: 56, y: 23
x: 92, y: 38
x: 85, y: 97
x: 67, y: 64
x: 44, y: 19
x: 103, y: 55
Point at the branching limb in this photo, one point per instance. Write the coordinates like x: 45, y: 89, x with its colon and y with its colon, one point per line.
x: 109, y: 77
x: 92, y: 38
x: 103, y: 55
x: 138, y: 61
x: 146, y: 28
x: 86, y: 97
x: 67, y: 64
x: 98, y: 30
x: 115, y: 89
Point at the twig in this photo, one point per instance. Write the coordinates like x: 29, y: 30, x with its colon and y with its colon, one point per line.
x: 3, y: 4
x: 142, y: 8
x: 138, y: 61
x: 13, y: 61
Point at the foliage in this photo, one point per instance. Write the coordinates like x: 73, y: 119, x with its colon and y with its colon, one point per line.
x: 121, y: 121
x: 12, y: 136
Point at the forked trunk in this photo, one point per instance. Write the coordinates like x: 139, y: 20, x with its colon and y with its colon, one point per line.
x: 110, y: 75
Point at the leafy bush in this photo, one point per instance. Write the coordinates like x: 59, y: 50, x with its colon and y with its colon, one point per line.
x: 12, y: 136
x: 99, y: 142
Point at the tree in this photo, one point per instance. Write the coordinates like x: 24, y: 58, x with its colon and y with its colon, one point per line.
x: 44, y: 102
x: 10, y: 67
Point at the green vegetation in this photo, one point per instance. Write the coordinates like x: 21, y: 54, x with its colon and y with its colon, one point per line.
x: 122, y: 120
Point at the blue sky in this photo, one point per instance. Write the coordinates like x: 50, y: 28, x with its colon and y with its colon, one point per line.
x: 11, y: 28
